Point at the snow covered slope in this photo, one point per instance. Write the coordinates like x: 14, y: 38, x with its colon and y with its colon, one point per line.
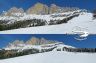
x: 83, y: 21
x: 55, y: 16
x: 54, y: 57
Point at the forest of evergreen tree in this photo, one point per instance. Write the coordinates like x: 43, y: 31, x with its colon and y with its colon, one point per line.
x: 4, y: 54
x: 32, y: 23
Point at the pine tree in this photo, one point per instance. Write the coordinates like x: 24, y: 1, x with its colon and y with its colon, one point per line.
x: 94, y: 13
x: 1, y: 27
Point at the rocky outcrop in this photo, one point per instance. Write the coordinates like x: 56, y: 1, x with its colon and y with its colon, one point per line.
x: 38, y: 9
x: 37, y: 41
x: 14, y: 10
x: 15, y: 43
x: 53, y: 8
x: 43, y: 9
x: 33, y: 41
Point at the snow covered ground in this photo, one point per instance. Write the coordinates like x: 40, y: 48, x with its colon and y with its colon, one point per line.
x: 82, y: 22
x: 54, y: 57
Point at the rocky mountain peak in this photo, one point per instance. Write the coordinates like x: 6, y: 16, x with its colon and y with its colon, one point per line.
x: 15, y: 43
x: 33, y: 41
x: 53, y: 8
x: 14, y: 10
x: 18, y: 42
x: 38, y: 8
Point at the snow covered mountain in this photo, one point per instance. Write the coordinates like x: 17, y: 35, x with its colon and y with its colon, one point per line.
x: 40, y: 9
x: 54, y: 57
x: 83, y: 22
x: 32, y: 43
x: 23, y: 16
x: 62, y: 20
x: 50, y: 53
x: 23, y: 20
x: 38, y: 15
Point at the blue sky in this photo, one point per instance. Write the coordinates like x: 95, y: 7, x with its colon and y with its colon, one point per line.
x: 67, y: 39
x: 85, y: 4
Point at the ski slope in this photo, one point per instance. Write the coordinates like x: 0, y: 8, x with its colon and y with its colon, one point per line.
x: 82, y: 22
x: 54, y: 57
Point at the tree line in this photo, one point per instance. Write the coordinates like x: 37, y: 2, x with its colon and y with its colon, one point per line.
x: 36, y: 22
x: 86, y: 50
x: 32, y: 23
x: 4, y: 54
x: 65, y: 20
x: 14, y: 53
x: 94, y: 14
x: 22, y: 24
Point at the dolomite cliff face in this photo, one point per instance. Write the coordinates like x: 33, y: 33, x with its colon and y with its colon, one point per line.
x: 38, y: 9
